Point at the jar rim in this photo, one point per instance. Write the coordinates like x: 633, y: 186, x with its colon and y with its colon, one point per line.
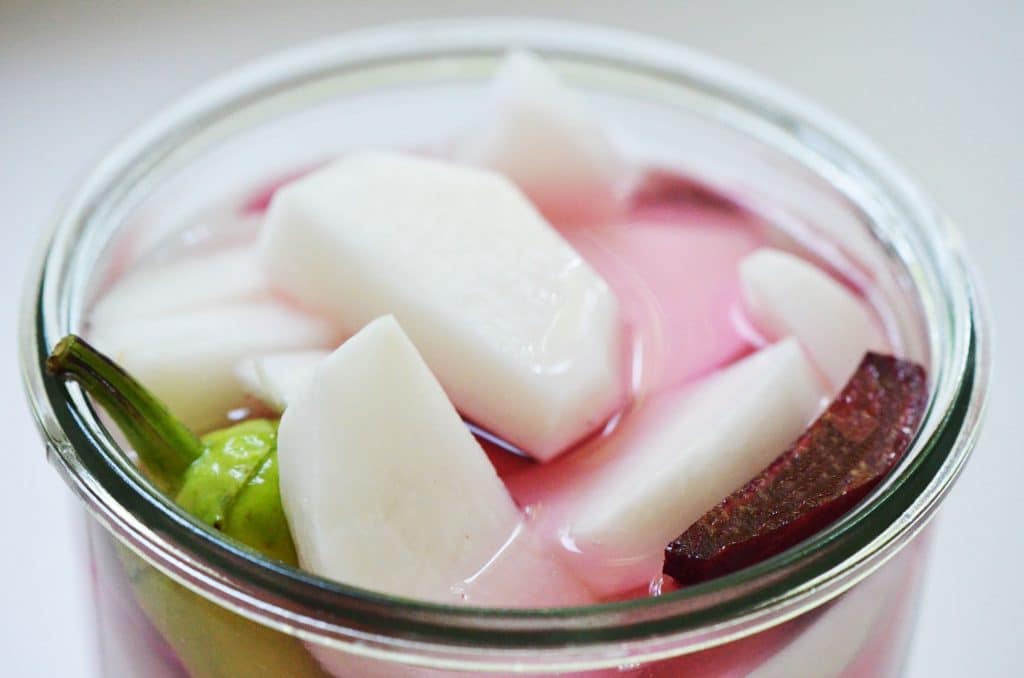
x: 310, y: 607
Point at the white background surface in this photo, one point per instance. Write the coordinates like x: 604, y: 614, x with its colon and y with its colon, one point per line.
x: 940, y: 85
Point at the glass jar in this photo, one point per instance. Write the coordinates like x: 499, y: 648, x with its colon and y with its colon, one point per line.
x: 173, y: 598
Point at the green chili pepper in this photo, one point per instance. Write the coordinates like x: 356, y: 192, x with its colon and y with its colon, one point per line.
x: 257, y: 518
x: 227, y: 479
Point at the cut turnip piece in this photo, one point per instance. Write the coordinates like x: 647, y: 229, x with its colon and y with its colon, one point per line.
x: 521, y: 332
x: 539, y: 133
x: 786, y: 295
x: 198, y: 282
x: 680, y: 458
x: 188, y: 359
x: 275, y: 379
x: 385, y: 488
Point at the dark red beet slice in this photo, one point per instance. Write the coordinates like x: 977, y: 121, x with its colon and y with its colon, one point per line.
x: 831, y: 467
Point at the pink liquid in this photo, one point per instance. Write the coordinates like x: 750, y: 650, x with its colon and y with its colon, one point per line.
x: 672, y: 264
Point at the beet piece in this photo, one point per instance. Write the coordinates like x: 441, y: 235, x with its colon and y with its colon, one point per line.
x: 829, y: 469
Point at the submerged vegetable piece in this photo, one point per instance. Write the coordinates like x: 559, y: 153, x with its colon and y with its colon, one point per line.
x: 228, y: 479
x: 540, y: 134
x: 520, y: 330
x: 274, y: 379
x: 209, y: 640
x: 787, y: 296
x: 233, y: 487
x: 827, y: 471
x: 257, y: 518
x: 232, y: 456
x: 612, y: 508
x: 187, y: 359
x: 385, y: 488
x: 223, y: 277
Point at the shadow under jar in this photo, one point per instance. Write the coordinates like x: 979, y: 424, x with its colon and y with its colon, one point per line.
x: 173, y: 598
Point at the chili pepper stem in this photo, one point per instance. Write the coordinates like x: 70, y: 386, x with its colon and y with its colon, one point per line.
x: 164, y: 444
